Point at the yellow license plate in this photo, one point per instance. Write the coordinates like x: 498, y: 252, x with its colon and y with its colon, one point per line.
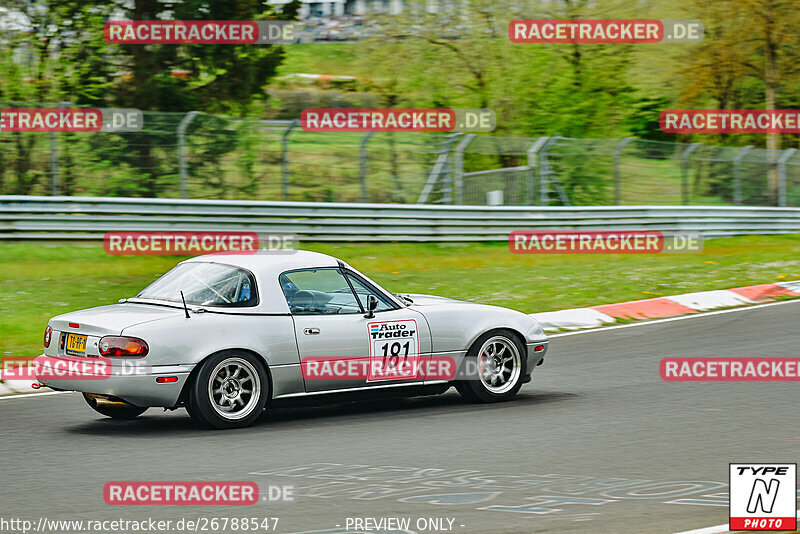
x: 76, y: 345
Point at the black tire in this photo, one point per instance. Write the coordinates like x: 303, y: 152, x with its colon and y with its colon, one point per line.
x: 191, y: 412
x: 222, y: 397
x: 475, y: 389
x: 116, y: 410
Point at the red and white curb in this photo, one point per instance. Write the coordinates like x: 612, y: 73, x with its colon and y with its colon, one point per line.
x: 659, y: 308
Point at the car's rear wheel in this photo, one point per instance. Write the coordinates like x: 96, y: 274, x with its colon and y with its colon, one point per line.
x: 189, y: 410
x: 114, y: 408
x: 493, y: 368
x: 230, y: 391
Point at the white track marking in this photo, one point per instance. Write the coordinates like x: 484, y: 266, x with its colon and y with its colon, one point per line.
x: 708, y: 530
x: 670, y: 319
x: 22, y: 395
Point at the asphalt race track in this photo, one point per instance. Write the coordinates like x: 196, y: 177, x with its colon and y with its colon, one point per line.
x: 596, y: 428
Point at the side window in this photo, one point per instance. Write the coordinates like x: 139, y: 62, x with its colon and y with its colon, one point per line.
x: 362, y: 291
x: 318, y: 292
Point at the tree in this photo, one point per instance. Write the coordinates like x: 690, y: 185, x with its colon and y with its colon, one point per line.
x: 748, y: 44
x: 67, y: 59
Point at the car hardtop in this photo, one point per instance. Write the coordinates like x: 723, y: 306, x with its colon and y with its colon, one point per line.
x: 268, y: 265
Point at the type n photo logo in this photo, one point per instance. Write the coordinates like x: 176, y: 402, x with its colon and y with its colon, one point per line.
x: 763, y: 497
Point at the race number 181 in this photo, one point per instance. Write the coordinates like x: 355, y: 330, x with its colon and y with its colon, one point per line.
x: 393, y: 350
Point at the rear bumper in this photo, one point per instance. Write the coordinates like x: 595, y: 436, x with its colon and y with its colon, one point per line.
x: 140, y: 389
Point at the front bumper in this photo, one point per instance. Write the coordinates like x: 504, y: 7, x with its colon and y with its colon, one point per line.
x: 139, y: 387
x: 535, y: 358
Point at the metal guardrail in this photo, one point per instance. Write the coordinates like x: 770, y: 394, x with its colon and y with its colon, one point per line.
x: 45, y: 217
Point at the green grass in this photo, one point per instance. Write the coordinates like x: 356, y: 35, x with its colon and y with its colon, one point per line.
x: 319, y: 58
x: 38, y: 281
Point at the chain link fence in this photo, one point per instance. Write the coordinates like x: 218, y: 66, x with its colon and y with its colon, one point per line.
x: 557, y: 170
x: 197, y: 155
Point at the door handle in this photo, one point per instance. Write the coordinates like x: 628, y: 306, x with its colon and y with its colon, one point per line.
x: 311, y: 331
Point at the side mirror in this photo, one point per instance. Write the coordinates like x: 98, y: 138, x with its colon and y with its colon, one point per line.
x: 372, y: 303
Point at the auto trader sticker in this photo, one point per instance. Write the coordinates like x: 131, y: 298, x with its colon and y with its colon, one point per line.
x: 393, y: 350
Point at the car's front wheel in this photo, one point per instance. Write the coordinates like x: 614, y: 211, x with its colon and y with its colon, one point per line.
x: 116, y: 409
x: 493, y: 369
x: 230, y: 390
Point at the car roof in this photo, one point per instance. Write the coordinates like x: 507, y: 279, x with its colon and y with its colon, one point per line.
x: 271, y: 263
x: 267, y: 266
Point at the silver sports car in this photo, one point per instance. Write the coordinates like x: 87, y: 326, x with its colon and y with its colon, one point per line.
x: 226, y: 336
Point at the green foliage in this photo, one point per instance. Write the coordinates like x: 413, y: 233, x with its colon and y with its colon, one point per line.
x: 67, y: 59
x: 417, y: 59
x: 643, y: 123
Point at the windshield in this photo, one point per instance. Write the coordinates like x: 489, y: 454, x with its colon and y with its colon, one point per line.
x: 207, y: 284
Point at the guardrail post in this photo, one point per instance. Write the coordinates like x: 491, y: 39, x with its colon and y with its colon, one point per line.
x: 782, y: 176
x: 685, y: 172
x: 447, y: 182
x: 544, y: 172
x: 617, y: 173
x: 362, y: 165
x: 737, y: 175
x: 533, y: 154
x: 285, y: 159
x: 55, y: 180
x: 458, y: 170
x: 440, y: 167
x: 185, y: 121
x: 55, y: 183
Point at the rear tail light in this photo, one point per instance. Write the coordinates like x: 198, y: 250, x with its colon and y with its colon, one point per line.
x: 48, y: 335
x: 122, y: 346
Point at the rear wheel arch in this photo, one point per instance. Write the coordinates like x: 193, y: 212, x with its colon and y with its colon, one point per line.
x: 184, y: 396
x: 230, y: 390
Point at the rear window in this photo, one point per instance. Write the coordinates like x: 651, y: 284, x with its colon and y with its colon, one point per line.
x: 206, y: 284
